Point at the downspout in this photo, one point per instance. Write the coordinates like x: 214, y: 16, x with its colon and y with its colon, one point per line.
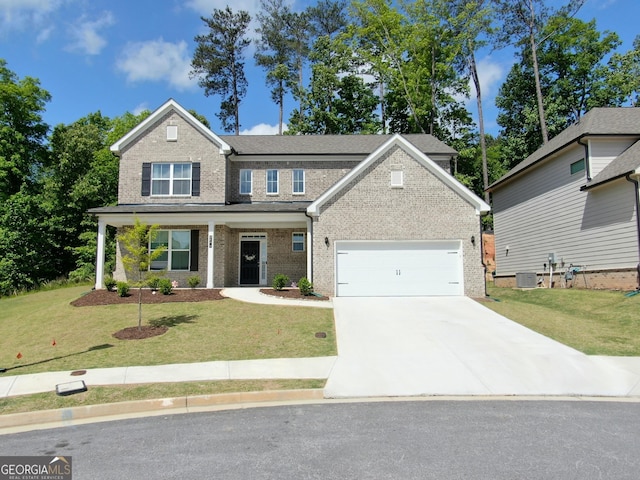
x: 310, y: 255
x: 587, y: 163
x: 484, y: 265
x: 637, y: 195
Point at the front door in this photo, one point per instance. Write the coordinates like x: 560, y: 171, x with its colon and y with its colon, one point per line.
x: 249, y: 262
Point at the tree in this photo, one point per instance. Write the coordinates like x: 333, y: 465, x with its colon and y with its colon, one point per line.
x: 137, y: 255
x: 523, y: 22
x: 218, y: 63
x: 22, y: 131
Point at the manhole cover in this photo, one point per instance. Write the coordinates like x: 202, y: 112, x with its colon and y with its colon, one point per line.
x: 77, y: 373
x: 321, y: 335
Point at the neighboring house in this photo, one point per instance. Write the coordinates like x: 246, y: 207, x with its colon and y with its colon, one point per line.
x: 358, y: 215
x: 577, y: 198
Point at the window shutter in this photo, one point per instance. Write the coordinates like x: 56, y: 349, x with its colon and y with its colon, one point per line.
x: 195, y: 250
x: 195, y: 179
x: 146, y: 179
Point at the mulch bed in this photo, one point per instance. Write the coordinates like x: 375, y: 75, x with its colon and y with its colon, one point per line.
x: 105, y: 297
x: 145, y: 331
x: 293, y: 293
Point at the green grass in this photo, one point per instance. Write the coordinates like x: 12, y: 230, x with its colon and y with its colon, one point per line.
x: 120, y: 393
x: 596, y: 322
x: 198, y: 332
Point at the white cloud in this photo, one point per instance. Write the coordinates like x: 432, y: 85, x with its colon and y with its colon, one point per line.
x: 44, y: 34
x: 157, y: 61
x: 263, y: 129
x: 205, y: 7
x: 86, y: 35
x: 27, y: 14
x: 141, y: 107
x: 491, y: 74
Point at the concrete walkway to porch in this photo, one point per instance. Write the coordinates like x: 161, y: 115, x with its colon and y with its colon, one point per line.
x: 253, y: 295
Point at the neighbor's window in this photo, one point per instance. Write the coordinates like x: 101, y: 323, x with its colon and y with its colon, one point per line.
x: 177, y: 244
x: 171, y: 179
x: 577, y: 166
x: 246, y: 182
x: 272, y: 182
x: 298, y: 181
x: 298, y: 242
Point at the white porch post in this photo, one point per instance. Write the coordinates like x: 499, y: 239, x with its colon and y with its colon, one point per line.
x: 210, y: 250
x: 310, y: 249
x: 102, y: 226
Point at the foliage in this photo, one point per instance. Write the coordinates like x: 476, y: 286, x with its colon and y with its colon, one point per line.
x: 193, y: 281
x: 164, y: 286
x: 110, y: 283
x: 123, y: 289
x: 218, y: 62
x: 305, y: 286
x: 153, y: 282
x: 280, y: 281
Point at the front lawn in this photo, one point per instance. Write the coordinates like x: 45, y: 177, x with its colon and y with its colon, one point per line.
x: 596, y: 322
x: 198, y: 332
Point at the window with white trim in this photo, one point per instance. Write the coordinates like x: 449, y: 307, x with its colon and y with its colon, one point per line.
x: 171, y: 179
x: 272, y: 182
x: 298, y: 181
x: 297, y: 241
x: 177, y: 253
x: 246, y: 182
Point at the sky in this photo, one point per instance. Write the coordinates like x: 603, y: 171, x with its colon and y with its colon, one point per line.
x: 115, y: 56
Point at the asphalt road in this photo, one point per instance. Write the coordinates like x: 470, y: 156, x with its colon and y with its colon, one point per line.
x: 391, y: 440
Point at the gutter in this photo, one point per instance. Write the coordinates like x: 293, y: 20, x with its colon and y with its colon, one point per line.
x: 587, y: 163
x: 637, y: 195
x: 310, y: 257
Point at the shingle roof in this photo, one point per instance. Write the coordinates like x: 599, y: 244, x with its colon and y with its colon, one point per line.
x: 627, y: 162
x: 598, y: 121
x: 326, y: 144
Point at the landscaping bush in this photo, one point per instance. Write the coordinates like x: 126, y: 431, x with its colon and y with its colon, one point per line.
x: 194, y: 281
x: 305, y: 286
x: 110, y: 283
x: 280, y: 281
x: 123, y: 289
x: 165, y: 286
x: 153, y: 283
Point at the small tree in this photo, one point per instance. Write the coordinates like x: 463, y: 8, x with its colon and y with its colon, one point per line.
x: 137, y: 256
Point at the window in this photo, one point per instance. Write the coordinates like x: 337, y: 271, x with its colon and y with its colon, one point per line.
x: 272, y: 182
x: 397, y: 178
x: 298, y: 181
x: 246, y: 182
x: 177, y: 244
x: 171, y: 179
x: 297, y: 244
x: 577, y: 166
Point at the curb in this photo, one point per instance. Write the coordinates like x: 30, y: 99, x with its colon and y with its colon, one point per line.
x: 113, y: 411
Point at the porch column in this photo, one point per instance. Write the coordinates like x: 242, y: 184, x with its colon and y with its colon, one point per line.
x: 310, y: 249
x: 210, y: 249
x: 102, y: 227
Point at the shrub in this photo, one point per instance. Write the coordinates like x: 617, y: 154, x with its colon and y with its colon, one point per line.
x: 194, y: 281
x: 165, y: 287
x: 123, y: 289
x: 280, y: 281
x: 305, y: 286
x: 110, y: 283
x: 153, y: 283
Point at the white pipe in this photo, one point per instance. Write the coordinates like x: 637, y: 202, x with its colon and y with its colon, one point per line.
x: 550, y: 273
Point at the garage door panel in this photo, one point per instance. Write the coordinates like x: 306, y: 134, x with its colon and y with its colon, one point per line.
x: 398, y: 268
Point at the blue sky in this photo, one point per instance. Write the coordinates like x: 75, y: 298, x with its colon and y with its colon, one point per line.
x: 116, y: 56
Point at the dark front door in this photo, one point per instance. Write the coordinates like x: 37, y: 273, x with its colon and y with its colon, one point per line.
x: 249, y: 263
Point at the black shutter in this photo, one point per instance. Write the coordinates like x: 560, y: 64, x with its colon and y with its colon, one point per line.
x: 146, y: 179
x: 195, y: 250
x: 195, y: 179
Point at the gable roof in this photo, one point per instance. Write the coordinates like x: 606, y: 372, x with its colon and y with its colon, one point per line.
x: 424, y: 160
x: 597, y: 121
x: 160, y: 112
x: 628, y: 162
x: 327, y: 144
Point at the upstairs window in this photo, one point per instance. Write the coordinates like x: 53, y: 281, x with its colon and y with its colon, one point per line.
x: 298, y: 181
x: 171, y: 179
x: 577, y: 167
x: 177, y: 250
x: 246, y: 182
x: 272, y: 182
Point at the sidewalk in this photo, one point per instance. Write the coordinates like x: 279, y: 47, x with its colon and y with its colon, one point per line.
x: 277, y: 368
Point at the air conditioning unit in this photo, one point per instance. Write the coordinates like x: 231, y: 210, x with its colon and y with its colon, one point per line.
x: 526, y: 280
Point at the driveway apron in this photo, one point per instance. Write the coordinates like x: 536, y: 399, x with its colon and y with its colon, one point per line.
x: 411, y: 346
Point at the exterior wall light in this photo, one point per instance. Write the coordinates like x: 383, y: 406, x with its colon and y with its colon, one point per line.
x: 326, y: 241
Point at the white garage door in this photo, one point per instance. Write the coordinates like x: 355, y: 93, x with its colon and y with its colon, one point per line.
x: 372, y: 269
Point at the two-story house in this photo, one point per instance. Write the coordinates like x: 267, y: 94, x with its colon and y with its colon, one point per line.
x: 359, y: 215
x: 572, y: 207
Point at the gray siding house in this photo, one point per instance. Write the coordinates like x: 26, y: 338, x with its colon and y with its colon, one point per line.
x: 575, y: 200
x: 359, y: 215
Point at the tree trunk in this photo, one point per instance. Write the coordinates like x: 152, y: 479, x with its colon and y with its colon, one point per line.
x: 536, y: 74
x: 483, y: 143
x: 281, y: 102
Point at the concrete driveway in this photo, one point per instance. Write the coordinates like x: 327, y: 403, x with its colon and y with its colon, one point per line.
x: 455, y: 346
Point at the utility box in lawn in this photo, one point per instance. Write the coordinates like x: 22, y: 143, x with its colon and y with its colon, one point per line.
x: 526, y: 280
